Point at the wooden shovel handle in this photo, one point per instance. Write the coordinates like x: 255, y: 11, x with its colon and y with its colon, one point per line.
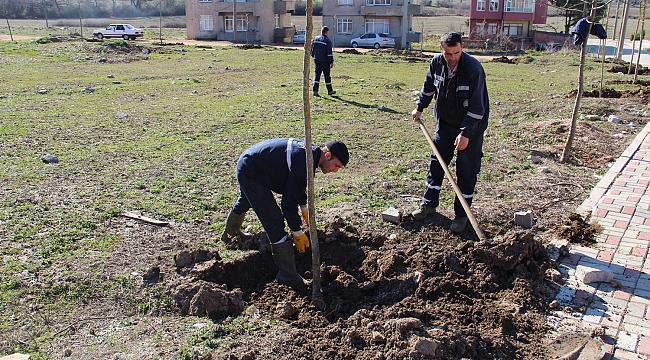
x: 463, y: 202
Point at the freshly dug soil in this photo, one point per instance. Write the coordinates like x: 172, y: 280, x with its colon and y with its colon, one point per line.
x: 405, y: 295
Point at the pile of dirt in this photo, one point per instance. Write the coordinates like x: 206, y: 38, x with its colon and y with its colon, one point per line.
x: 250, y: 46
x: 352, y: 51
x: 626, y: 69
x: 407, y: 295
x: 578, y: 231
x: 502, y: 59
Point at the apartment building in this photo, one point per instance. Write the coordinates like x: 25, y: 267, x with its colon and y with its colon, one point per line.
x: 348, y: 19
x: 512, y: 18
x: 250, y: 21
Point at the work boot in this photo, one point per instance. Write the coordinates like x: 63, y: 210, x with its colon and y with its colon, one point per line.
x: 316, y: 94
x: 233, y: 227
x: 285, y: 260
x: 458, y: 224
x: 331, y: 92
x: 423, y: 211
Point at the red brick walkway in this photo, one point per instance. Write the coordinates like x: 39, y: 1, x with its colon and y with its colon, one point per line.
x: 620, y: 203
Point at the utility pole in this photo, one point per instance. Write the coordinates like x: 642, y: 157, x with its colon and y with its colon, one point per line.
x: 234, y: 20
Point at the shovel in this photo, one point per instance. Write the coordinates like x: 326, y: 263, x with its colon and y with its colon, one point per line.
x: 463, y: 202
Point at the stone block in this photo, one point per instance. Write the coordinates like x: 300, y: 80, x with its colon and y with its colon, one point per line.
x: 588, y: 274
x: 524, y: 219
x: 392, y: 215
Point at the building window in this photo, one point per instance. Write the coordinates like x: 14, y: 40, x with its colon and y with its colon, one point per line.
x: 494, y: 5
x: 519, y: 6
x: 479, y: 30
x: 242, y: 23
x: 381, y: 26
x: 206, y: 23
x: 205, y: 0
x: 480, y: 5
x: 346, y: 2
x: 277, y: 21
x: 377, y: 2
x: 515, y: 30
x: 344, y: 26
x: 492, y: 29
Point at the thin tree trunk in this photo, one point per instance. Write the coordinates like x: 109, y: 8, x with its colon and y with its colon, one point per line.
x: 160, y: 22
x: 11, y: 36
x: 317, y: 298
x: 638, y: 22
x: 604, y: 49
x: 81, y: 26
x: 636, y: 70
x: 583, y: 52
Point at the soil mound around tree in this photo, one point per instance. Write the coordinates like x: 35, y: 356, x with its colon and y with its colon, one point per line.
x: 401, y: 296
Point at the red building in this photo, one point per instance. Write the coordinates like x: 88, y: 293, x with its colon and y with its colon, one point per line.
x: 513, y: 18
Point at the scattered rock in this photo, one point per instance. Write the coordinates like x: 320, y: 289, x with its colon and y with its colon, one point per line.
x: 553, y: 275
x: 418, y: 277
x: 554, y: 304
x: 110, y: 76
x: 534, y: 159
x: 426, y: 347
x: 42, y: 91
x: 50, y: 159
x: 544, y: 170
x: 378, y: 337
x: 392, y: 215
x: 286, y: 310
x: 590, y: 274
x: 614, y: 119
x: 524, y: 219
x: 121, y: 115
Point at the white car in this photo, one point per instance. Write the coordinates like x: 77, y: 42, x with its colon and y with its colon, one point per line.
x: 375, y: 40
x: 299, y: 37
x: 124, y: 31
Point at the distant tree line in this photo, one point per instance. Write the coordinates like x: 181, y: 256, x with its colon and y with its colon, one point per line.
x: 61, y: 9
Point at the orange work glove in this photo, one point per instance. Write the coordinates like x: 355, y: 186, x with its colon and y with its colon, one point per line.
x: 300, y: 240
x: 305, y: 213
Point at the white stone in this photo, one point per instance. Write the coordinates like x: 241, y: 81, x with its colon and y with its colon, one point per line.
x: 614, y: 119
x: 588, y: 274
x: 392, y: 215
x: 524, y: 219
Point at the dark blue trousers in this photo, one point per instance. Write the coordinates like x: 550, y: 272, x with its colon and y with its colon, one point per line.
x: 258, y: 196
x: 324, y: 68
x: 468, y: 165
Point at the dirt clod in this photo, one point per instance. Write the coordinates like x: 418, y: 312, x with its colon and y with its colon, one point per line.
x: 577, y: 230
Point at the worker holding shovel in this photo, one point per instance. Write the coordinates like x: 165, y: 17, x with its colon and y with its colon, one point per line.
x: 456, y: 81
x: 280, y: 166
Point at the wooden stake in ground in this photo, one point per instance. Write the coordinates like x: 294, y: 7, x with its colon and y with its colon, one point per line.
x: 317, y: 298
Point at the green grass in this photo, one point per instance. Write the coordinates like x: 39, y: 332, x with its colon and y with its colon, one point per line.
x: 190, y: 112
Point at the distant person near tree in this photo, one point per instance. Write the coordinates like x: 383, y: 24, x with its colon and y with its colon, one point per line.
x: 321, y: 51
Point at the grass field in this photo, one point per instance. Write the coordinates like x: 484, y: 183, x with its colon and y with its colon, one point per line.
x: 161, y: 132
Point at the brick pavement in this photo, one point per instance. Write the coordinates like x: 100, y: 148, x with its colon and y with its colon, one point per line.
x: 620, y: 203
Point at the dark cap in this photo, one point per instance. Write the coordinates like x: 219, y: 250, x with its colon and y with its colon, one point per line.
x: 339, y: 150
